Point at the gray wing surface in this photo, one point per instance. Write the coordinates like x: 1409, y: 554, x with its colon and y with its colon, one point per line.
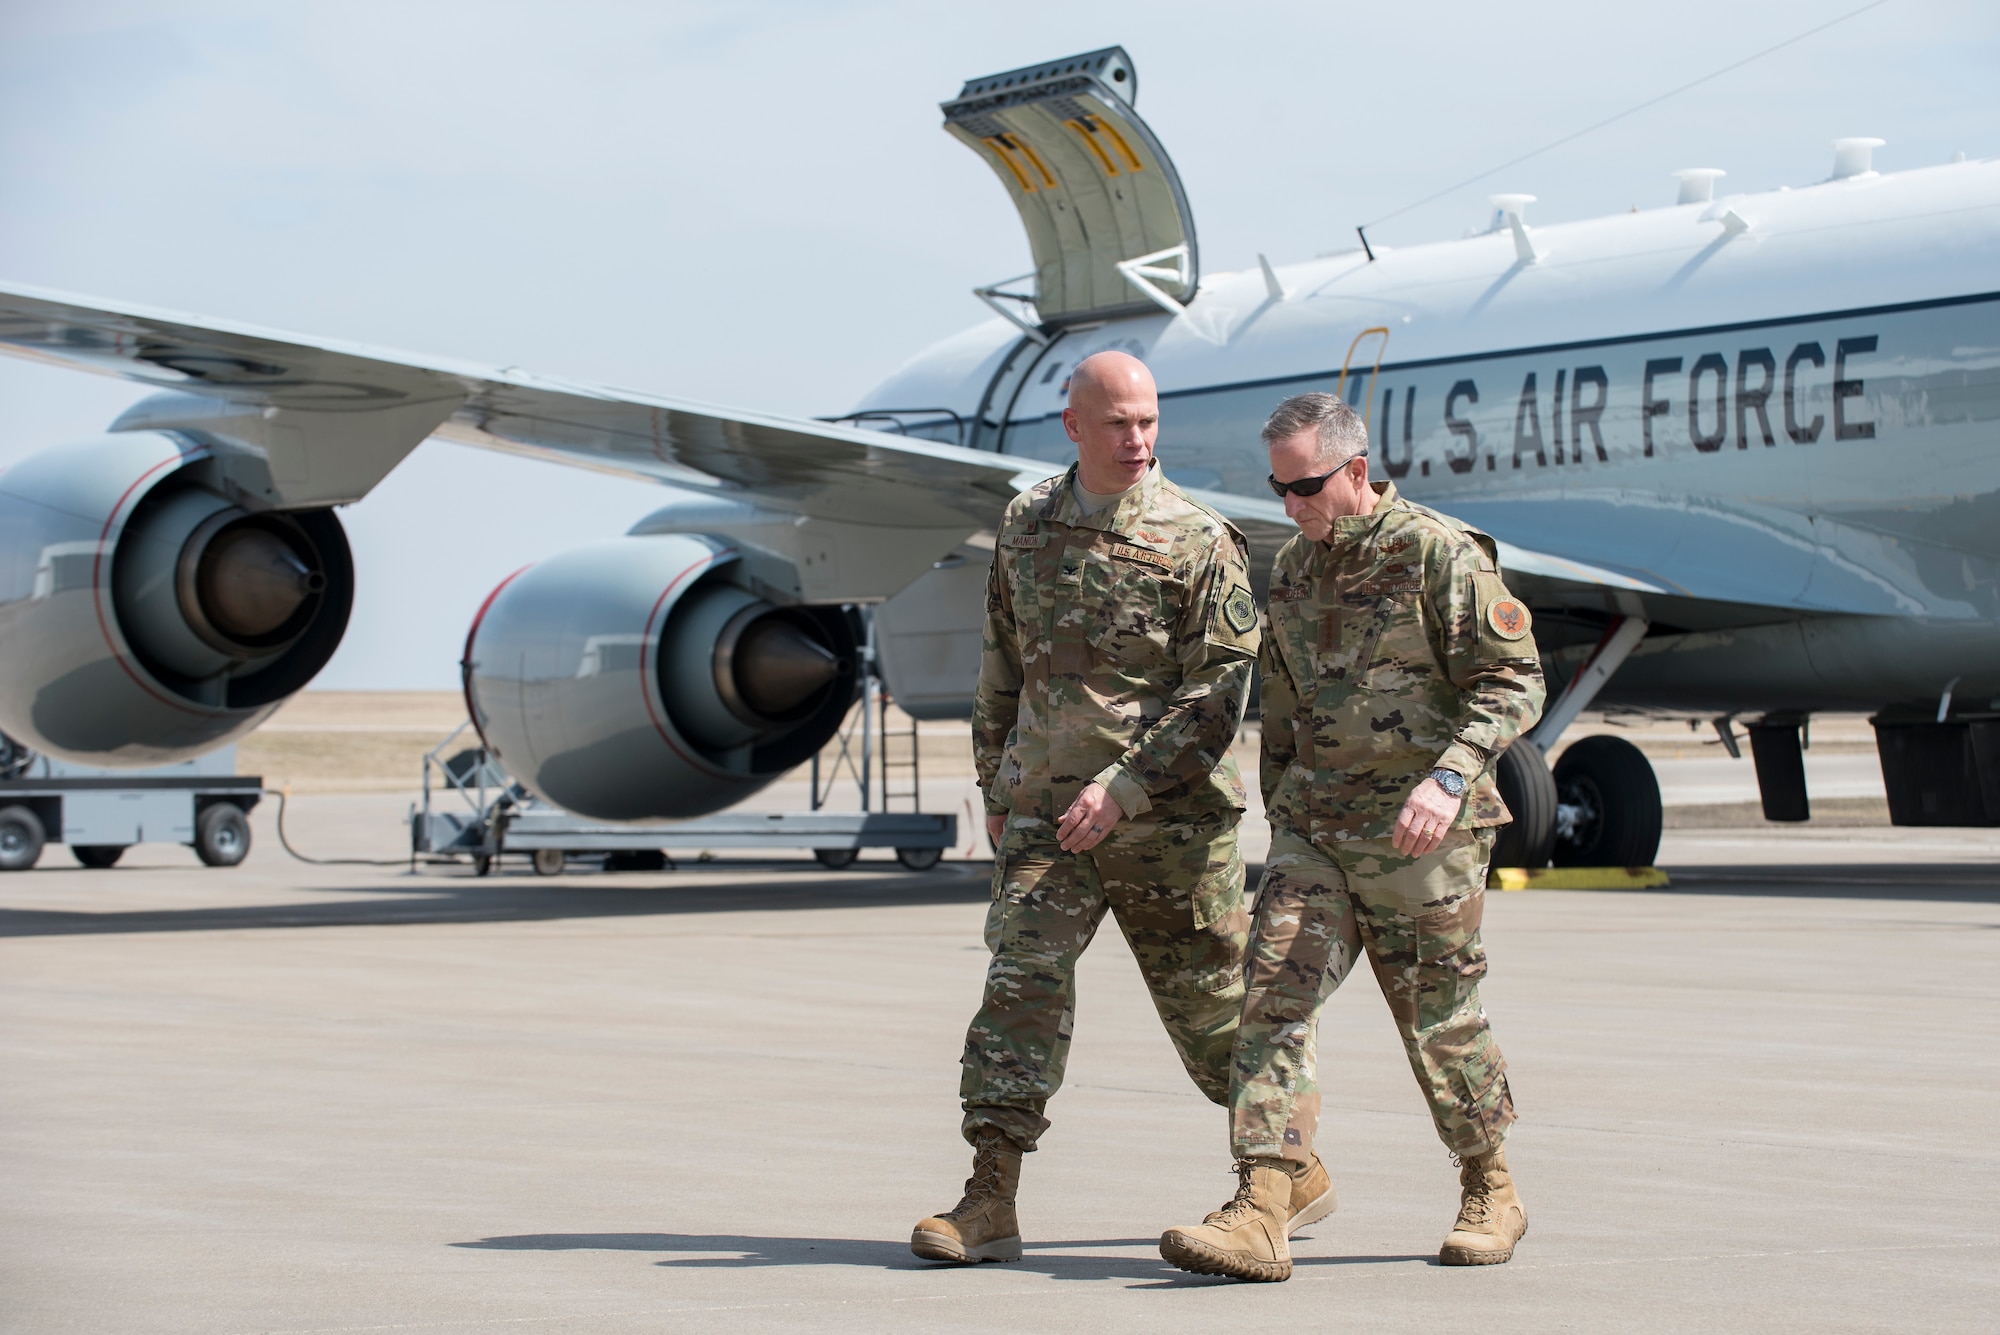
x: 806, y: 467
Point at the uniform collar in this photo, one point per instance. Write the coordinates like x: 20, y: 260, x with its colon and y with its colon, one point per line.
x: 1359, y: 528
x: 1123, y: 516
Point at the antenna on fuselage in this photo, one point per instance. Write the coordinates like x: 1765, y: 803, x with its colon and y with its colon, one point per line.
x: 1854, y: 157
x: 1698, y: 184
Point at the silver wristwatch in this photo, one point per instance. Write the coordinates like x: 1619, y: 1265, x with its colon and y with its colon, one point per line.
x: 1450, y: 780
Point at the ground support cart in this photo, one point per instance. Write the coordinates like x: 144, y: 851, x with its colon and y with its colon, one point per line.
x: 473, y: 809
x: 100, y: 813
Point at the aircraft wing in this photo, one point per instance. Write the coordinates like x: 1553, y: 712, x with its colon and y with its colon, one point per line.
x: 805, y: 467
x: 1265, y: 524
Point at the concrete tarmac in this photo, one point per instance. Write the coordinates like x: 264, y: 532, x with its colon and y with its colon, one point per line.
x: 289, y: 1099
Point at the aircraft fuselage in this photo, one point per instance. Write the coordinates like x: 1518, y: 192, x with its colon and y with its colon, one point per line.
x: 1774, y: 411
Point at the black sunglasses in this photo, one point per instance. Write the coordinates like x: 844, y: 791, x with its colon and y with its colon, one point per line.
x: 1305, y: 486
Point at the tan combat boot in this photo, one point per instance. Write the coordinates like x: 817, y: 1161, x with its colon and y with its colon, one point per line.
x: 1245, y: 1239
x: 1491, y: 1218
x: 982, y: 1226
x: 1312, y: 1196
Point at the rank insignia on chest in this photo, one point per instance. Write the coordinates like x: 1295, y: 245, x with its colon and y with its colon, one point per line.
x: 1240, y: 611
x: 1508, y: 618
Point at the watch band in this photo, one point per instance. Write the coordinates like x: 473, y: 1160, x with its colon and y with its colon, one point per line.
x: 1450, y: 780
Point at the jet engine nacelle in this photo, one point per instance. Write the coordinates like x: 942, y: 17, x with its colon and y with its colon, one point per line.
x: 146, y: 617
x: 643, y: 678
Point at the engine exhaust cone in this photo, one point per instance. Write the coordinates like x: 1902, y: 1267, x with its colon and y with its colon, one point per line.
x: 779, y: 665
x: 251, y: 583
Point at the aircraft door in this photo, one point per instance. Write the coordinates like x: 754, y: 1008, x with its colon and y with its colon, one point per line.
x: 1358, y: 372
x: 1107, y: 220
x: 996, y: 406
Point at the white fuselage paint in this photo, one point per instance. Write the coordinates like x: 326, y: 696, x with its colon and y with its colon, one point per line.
x: 1802, y: 416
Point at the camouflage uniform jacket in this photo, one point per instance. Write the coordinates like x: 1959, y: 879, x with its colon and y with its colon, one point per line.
x: 1118, y: 650
x: 1392, y: 649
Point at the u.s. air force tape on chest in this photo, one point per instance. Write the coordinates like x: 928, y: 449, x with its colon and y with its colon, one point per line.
x: 1508, y: 618
x: 1239, y: 610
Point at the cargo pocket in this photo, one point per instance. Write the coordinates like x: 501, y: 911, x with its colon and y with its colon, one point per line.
x: 1221, y: 925
x: 1450, y: 960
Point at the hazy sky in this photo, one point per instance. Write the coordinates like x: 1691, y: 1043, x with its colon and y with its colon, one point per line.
x: 752, y: 202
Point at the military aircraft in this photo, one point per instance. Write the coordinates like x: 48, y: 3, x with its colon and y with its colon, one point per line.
x: 1738, y: 453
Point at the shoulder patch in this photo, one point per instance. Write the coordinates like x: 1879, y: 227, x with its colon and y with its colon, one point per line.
x: 1240, y: 610
x: 1508, y: 617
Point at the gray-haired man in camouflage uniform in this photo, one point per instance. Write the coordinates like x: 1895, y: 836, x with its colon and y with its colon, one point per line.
x: 1120, y: 634
x: 1396, y: 667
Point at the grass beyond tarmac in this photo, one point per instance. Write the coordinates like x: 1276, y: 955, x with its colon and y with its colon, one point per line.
x: 375, y: 741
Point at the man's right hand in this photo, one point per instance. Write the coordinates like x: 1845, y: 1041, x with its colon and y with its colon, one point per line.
x: 995, y: 823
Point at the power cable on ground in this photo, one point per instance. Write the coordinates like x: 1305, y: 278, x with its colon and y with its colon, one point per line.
x: 284, y: 795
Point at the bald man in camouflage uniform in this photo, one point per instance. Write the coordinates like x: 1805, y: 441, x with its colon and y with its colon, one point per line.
x: 1397, y: 665
x: 1120, y: 636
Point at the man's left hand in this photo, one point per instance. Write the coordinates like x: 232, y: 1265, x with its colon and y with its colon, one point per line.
x: 1088, y: 820
x: 1425, y: 820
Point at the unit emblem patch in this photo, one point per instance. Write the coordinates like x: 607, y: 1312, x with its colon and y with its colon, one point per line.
x: 1240, y: 611
x: 1508, y: 618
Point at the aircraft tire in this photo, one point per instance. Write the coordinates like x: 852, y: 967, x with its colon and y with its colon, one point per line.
x: 21, y: 838
x: 98, y: 856
x: 1529, y: 791
x: 222, y: 835
x: 1609, y: 812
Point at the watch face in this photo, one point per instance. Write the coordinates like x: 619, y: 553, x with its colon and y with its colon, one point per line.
x: 1451, y: 781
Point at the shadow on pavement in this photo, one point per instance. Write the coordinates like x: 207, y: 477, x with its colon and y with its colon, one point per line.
x: 415, y: 900
x: 1965, y: 883
x: 888, y: 1255
x: 437, y: 899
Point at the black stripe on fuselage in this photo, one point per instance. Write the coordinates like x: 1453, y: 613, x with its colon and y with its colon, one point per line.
x: 1935, y: 303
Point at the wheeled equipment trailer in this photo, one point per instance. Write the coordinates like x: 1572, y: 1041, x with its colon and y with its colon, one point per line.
x: 100, y: 813
x: 474, y: 809
x: 550, y: 837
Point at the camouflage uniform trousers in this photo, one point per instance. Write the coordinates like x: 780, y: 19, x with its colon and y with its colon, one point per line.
x: 1176, y: 890
x: 1320, y: 905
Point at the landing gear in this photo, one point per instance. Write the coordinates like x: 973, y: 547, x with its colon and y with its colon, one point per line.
x: 1608, y: 811
x: 1529, y: 791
